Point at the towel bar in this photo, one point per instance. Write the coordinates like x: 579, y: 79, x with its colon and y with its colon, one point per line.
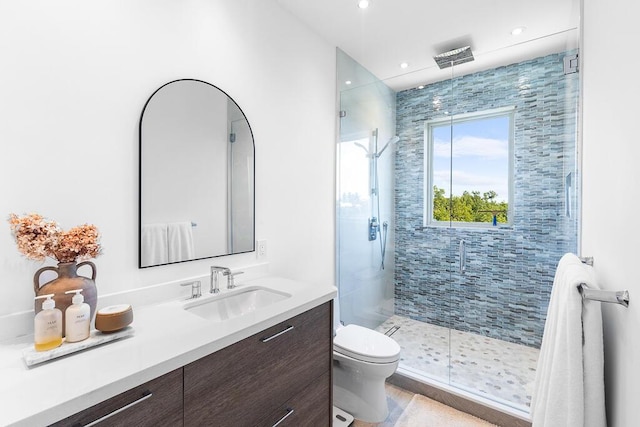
x: 619, y: 297
x: 587, y: 260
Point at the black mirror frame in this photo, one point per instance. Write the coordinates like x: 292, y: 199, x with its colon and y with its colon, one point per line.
x: 140, y: 266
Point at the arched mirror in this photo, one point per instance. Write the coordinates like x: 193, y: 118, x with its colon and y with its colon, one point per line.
x: 196, y: 175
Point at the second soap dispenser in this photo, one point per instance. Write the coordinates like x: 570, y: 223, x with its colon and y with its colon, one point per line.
x: 77, y: 318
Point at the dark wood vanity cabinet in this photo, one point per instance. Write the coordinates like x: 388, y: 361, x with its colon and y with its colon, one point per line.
x: 155, y: 403
x: 282, y: 373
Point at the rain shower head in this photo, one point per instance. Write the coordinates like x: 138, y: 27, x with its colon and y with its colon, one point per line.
x: 454, y: 57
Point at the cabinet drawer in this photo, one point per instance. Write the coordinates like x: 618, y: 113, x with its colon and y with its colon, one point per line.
x: 311, y: 408
x: 155, y: 403
x: 242, y: 384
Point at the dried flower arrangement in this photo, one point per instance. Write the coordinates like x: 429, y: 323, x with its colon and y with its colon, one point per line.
x: 38, y: 238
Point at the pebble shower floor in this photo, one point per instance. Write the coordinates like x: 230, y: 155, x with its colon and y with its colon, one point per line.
x: 495, y: 369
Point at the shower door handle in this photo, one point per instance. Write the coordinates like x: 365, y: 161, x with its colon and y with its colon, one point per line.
x: 463, y: 256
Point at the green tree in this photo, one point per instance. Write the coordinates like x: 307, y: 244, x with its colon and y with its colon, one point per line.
x: 440, y: 205
x: 469, y: 207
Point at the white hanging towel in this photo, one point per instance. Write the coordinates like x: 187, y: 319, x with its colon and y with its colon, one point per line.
x: 569, y: 387
x: 154, y: 249
x: 180, y: 241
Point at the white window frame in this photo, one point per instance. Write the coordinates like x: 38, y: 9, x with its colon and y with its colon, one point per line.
x: 428, y: 220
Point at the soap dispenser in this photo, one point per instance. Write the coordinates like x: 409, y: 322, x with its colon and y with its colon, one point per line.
x: 48, y: 325
x: 77, y: 318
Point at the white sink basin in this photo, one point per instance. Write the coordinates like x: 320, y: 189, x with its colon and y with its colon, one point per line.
x: 220, y: 308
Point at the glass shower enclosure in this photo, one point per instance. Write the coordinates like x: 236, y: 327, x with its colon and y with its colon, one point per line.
x: 365, y: 196
x: 480, y: 198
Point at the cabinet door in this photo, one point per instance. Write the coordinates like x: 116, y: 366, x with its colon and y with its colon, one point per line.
x: 155, y: 403
x: 307, y: 409
x: 243, y: 384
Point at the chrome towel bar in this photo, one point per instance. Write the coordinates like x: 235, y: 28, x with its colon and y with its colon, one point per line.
x: 617, y: 297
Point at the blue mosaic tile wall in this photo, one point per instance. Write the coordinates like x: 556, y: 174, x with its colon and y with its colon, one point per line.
x: 504, y: 292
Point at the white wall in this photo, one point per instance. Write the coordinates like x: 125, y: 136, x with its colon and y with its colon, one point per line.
x: 74, y: 78
x: 611, y: 202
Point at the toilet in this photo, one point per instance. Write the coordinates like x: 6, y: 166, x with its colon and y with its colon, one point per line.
x: 362, y: 360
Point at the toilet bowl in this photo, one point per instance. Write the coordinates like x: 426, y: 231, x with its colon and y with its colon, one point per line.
x: 362, y: 360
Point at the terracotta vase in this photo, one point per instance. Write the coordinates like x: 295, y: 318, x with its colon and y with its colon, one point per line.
x: 67, y: 280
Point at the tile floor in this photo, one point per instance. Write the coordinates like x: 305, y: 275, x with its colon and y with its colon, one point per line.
x: 495, y: 369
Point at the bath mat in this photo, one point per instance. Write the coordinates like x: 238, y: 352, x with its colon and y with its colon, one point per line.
x: 425, y: 412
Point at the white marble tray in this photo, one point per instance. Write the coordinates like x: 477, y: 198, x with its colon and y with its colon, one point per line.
x: 32, y: 357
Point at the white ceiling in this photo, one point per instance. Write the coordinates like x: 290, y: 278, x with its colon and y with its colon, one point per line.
x: 393, y: 31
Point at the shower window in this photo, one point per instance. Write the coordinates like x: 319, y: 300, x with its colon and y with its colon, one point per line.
x: 469, y: 169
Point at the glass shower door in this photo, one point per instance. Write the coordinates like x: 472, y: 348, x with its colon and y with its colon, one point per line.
x: 513, y: 155
x: 364, y: 196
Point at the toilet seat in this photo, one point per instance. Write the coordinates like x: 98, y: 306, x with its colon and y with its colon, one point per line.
x: 365, y: 344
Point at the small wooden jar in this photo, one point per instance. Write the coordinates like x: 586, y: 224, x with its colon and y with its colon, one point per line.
x: 114, y: 318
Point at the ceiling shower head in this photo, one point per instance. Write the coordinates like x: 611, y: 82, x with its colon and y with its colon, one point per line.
x: 454, y: 57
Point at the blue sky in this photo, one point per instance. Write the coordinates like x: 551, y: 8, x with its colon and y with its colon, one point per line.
x: 480, y: 152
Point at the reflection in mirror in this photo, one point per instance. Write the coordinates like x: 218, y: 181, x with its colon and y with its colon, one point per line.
x: 196, y: 175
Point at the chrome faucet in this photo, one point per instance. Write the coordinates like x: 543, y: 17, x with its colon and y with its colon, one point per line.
x: 215, y: 277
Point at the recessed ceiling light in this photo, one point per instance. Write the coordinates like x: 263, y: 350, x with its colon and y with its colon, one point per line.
x: 517, y: 31
x: 348, y: 82
x: 363, y: 4
x: 421, y: 87
x: 404, y: 65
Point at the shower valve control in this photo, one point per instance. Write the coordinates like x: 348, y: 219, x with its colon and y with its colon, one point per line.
x: 374, y: 226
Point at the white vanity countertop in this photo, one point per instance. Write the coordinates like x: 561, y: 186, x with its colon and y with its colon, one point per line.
x: 166, y: 338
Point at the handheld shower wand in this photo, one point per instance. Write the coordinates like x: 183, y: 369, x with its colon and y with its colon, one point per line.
x: 375, y: 229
